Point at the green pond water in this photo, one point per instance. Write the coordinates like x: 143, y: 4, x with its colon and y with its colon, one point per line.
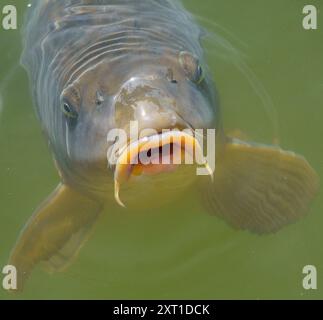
x: 180, y: 251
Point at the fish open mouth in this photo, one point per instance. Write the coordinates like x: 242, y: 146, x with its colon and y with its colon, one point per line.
x: 159, y: 153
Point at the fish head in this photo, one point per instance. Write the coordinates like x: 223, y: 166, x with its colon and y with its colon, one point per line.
x: 142, y: 110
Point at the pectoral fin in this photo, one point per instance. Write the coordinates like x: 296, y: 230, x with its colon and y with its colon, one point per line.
x: 55, y: 233
x: 260, y: 188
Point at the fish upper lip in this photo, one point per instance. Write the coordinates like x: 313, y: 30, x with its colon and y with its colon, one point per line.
x: 146, y: 139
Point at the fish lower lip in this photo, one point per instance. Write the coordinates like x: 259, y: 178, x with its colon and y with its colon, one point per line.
x: 161, y: 153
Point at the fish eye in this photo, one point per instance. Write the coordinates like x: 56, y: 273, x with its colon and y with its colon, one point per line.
x: 199, y: 74
x: 69, y: 111
x: 191, y: 66
x: 70, y: 100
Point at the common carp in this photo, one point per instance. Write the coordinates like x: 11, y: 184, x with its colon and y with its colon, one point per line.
x: 99, y: 65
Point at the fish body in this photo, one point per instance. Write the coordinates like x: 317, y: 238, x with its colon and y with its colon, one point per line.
x: 98, y: 65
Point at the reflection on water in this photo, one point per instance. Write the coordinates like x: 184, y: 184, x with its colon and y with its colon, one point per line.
x: 178, y: 250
